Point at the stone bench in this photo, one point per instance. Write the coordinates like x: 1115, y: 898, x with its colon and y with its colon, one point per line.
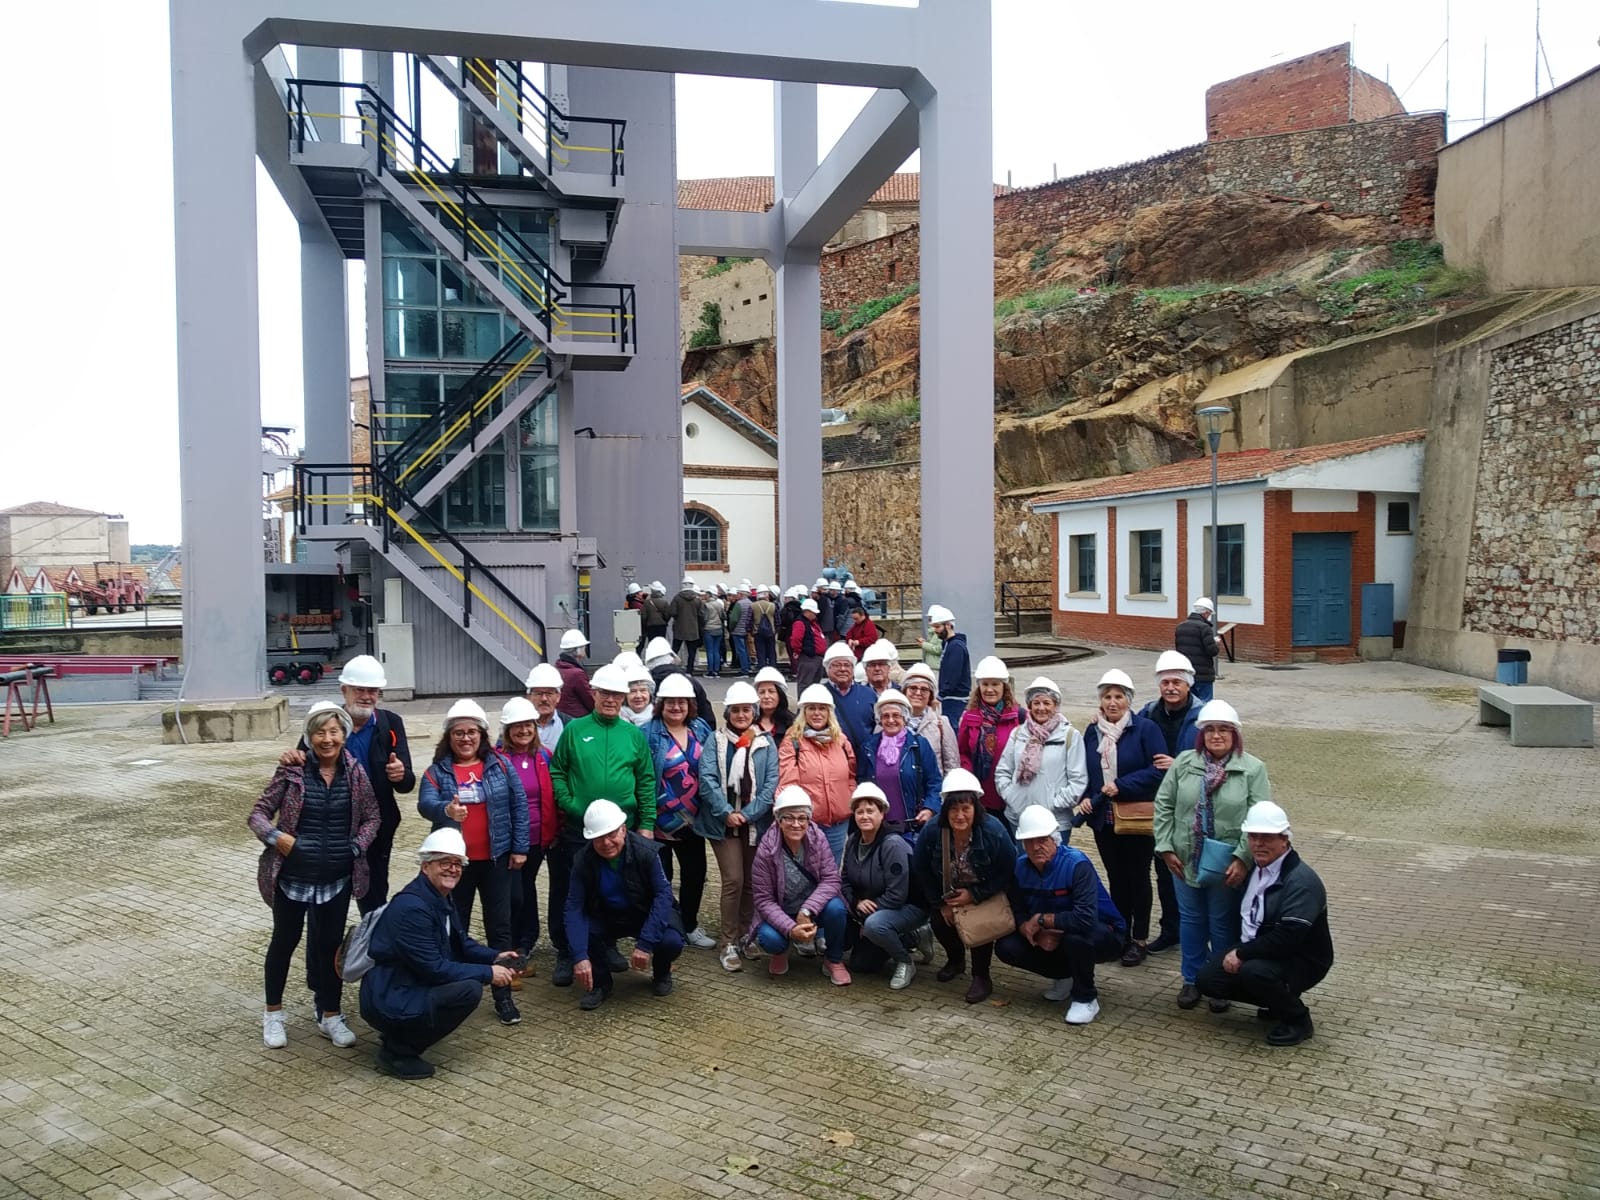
x: 1538, y: 716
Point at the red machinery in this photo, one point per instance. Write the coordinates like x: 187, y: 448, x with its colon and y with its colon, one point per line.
x: 112, y: 592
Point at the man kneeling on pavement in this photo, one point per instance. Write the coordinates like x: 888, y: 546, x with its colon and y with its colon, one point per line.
x: 619, y: 890
x: 1286, y: 948
x: 427, y: 973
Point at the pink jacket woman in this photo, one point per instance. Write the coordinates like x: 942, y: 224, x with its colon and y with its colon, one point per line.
x: 766, y: 875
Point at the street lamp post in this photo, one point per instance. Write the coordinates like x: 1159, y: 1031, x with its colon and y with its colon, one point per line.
x: 1212, y: 416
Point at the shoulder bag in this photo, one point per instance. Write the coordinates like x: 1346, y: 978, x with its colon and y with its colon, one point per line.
x: 981, y: 923
x: 1133, y: 816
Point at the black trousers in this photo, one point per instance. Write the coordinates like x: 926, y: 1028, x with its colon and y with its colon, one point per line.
x: 290, y: 918
x: 490, y: 878
x: 689, y: 849
x: 378, y: 864
x: 525, y: 902
x: 1074, y: 959
x: 1127, y: 857
x: 982, y: 956
x: 449, y: 1004
x: 1169, y: 898
x: 560, y: 857
x: 690, y: 649
x: 1275, y: 984
x: 604, y: 932
x: 766, y: 650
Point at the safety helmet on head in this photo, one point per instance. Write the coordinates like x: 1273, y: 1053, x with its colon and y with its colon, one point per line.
x: 639, y: 673
x: 771, y: 675
x: 634, y: 589
x: 659, y: 588
x: 919, y: 673
x: 467, y: 710
x: 687, y: 582
x: 958, y: 781
x: 740, y: 692
x: 1116, y: 678
x: 573, y: 639
x: 892, y: 698
x: 809, y: 605
x: 443, y: 843
x: 321, y: 709
x: 869, y: 791
x: 602, y: 817
x: 363, y: 671
x: 1217, y: 712
x: 881, y: 650
x: 816, y: 694
x: 627, y: 660
x: 1265, y: 817
x: 850, y: 585
x: 544, y: 675
x: 991, y: 667
x: 1172, y: 662
x: 675, y: 687
x: 793, y: 796
x: 820, y: 585
x: 1036, y: 821
x: 838, y: 650
x: 1042, y: 683
x: 1202, y: 604
x: 609, y: 679
x: 517, y: 710
x: 658, y: 650
x: 938, y: 614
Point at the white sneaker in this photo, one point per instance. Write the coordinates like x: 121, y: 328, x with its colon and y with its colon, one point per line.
x: 273, y: 1034
x: 904, y: 973
x: 1081, y: 1012
x: 700, y: 939
x: 731, y: 959
x: 336, y: 1031
x: 1059, y: 990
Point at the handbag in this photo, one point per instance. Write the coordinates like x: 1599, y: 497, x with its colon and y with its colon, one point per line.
x: 1213, y: 865
x: 1133, y: 816
x: 981, y: 923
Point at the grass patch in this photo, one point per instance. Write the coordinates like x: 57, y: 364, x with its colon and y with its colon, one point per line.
x: 1040, y: 259
x: 867, y: 311
x: 722, y: 266
x: 709, y: 331
x: 832, y: 318
x: 1047, y: 300
x: 1417, y: 273
x: 890, y: 414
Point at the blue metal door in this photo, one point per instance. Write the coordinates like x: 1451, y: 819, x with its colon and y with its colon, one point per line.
x: 1321, y: 589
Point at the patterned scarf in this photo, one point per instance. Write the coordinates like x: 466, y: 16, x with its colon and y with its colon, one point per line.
x: 736, y: 753
x: 1033, y: 748
x: 890, y: 748
x: 1205, y: 824
x: 820, y: 736
x: 1109, y: 733
x: 985, y: 753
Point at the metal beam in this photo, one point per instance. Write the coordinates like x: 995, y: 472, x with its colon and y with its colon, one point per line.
x: 883, y: 135
x: 714, y: 231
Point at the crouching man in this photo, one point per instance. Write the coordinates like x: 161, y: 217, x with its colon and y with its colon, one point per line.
x: 619, y: 890
x: 427, y: 974
x: 1286, y: 949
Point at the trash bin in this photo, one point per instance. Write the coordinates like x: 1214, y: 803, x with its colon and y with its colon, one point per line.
x: 1512, y: 667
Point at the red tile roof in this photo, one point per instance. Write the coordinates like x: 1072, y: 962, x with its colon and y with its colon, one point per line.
x: 1236, y: 466
x: 753, y: 193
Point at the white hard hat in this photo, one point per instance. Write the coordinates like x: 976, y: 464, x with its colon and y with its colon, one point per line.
x: 543, y: 676
x: 627, y: 660
x: 859, y: 674
x: 1173, y: 663
x: 573, y: 639
x: 838, y: 650
x: 675, y: 687
x: 869, y: 791
x: 793, y: 796
x: 820, y: 583
x: 881, y: 650
x: 1217, y: 712
x: 892, y: 696
x: 634, y: 589
x: 938, y: 614
x: 443, y: 841
x: 658, y: 587
x: 516, y: 710
x: 850, y: 585
x: 740, y: 692
x: 1043, y: 683
x: 1201, y: 604
x: 363, y: 671
x: 602, y: 817
x: 323, y: 707
x: 1035, y: 821
x: 771, y: 675
x: 687, y: 582
x: 991, y: 667
x: 816, y: 694
x: 467, y: 710
x: 1265, y: 817
x: 835, y: 586
x: 920, y: 672
x: 639, y: 673
x: 745, y: 584
x: 1115, y: 678
x: 809, y: 605
x: 958, y: 781
x: 609, y: 679
x: 658, y: 648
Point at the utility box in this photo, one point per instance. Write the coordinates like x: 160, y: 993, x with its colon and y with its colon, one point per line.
x: 397, y: 653
x: 625, y: 626
x: 1377, y: 621
x: 1511, y: 667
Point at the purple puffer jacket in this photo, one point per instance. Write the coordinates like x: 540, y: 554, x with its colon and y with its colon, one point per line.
x: 766, y: 878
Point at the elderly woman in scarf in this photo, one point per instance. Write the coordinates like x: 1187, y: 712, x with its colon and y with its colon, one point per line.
x: 1199, y: 814
x: 903, y: 765
x: 992, y: 714
x: 1043, y: 762
x: 748, y: 757
x: 1120, y: 803
x: 927, y: 718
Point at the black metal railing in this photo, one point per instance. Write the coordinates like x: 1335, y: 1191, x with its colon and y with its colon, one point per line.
x: 329, y: 494
x: 1017, y: 596
x: 520, y: 265
x: 559, y: 144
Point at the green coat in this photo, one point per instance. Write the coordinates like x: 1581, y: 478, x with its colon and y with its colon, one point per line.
x: 1245, y: 784
x: 932, y: 651
x: 600, y: 759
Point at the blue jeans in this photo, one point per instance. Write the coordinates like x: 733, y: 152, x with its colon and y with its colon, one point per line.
x: 714, y: 653
x: 766, y: 650
x: 1202, y: 691
x: 1208, y: 923
x: 836, y: 835
x: 741, y: 652
x: 888, y: 929
x: 832, y: 920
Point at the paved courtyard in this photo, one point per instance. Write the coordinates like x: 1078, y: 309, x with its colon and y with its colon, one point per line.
x: 1456, y: 1052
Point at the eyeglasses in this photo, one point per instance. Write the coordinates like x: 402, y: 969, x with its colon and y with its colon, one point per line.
x: 469, y: 731
x: 795, y: 819
x: 449, y: 864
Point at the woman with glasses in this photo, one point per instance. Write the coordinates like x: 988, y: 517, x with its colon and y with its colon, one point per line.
x: 474, y: 789
x: 986, y: 726
x: 921, y: 686
x: 795, y: 885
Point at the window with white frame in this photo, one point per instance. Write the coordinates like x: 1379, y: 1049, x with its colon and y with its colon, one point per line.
x: 702, y: 538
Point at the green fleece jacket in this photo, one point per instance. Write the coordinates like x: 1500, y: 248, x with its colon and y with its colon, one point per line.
x: 603, y: 759
x: 1244, y: 784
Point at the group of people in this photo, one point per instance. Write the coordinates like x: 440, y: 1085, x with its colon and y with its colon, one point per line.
x: 862, y: 827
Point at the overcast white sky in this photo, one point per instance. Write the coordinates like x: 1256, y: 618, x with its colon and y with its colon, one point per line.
x: 91, y: 412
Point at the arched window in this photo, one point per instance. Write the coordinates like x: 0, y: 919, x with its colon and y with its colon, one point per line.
x: 705, y: 538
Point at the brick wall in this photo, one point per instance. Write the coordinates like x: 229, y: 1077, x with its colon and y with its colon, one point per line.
x: 1311, y: 92
x: 1533, y: 569
x: 870, y: 270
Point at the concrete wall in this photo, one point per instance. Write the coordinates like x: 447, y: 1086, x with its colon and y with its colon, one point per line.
x: 1309, y: 92
x: 117, y: 545
x: 70, y: 541
x: 1518, y: 197
x: 1506, y: 550
x: 743, y: 292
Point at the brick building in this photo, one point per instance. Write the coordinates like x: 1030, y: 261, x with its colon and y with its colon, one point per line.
x: 1310, y: 92
x: 1299, y: 532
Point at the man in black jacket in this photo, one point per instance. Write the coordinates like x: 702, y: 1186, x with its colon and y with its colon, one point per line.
x: 1196, y: 638
x: 1286, y: 948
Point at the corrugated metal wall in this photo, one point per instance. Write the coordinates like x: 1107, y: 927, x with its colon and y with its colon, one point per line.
x: 449, y: 663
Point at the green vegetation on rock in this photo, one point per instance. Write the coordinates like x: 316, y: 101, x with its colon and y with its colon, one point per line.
x: 709, y: 331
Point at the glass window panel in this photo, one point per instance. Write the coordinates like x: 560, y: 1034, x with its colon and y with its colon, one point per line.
x: 1147, y: 543
x: 1230, y: 559
x: 1083, y: 562
x: 474, y: 335
x: 539, y: 460
x: 411, y: 333
x: 410, y: 282
x: 400, y: 238
x: 477, y: 499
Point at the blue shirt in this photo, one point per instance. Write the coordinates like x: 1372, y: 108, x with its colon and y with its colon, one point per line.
x: 612, y: 889
x: 359, y: 743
